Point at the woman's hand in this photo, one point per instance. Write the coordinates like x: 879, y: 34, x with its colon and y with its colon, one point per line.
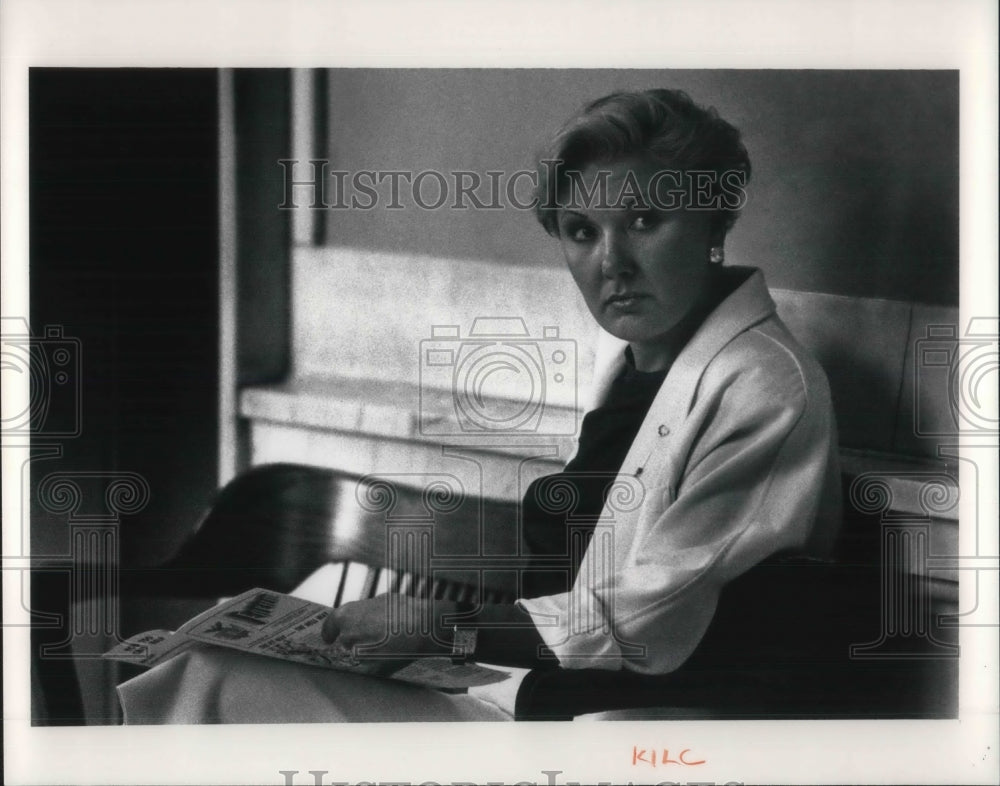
x: 508, y: 638
x: 389, y: 625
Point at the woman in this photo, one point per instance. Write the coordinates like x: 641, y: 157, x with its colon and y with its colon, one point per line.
x: 707, y: 410
x: 724, y: 421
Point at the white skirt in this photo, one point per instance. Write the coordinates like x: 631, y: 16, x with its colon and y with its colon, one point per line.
x: 214, y: 685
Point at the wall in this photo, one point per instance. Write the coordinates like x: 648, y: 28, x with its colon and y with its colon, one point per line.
x: 262, y: 119
x: 854, y: 191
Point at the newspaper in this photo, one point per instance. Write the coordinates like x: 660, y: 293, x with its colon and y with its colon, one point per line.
x: 268, y: 623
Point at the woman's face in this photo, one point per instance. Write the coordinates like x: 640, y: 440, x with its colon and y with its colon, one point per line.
x: 640, y: 269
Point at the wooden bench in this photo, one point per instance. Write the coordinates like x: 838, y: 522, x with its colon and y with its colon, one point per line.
x: 817, y: 651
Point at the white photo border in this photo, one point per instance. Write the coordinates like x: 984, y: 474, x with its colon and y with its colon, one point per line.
x: 771, y: 34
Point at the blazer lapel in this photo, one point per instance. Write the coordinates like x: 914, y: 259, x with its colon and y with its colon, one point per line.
x: 609, y: 361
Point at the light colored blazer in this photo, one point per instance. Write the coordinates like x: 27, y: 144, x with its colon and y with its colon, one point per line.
x: 735, y: 461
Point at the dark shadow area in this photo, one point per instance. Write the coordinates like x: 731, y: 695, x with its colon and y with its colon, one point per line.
x: 123, y: 262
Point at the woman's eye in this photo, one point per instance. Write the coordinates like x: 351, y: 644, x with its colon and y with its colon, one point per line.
x: 580, y: 233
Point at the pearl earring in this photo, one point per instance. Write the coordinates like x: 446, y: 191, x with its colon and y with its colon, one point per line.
x: 716, y: 255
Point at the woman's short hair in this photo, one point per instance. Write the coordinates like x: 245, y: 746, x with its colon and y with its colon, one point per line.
x: 665, y: 125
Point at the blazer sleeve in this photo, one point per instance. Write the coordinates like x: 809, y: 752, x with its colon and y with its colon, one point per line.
x: 760, y: 474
